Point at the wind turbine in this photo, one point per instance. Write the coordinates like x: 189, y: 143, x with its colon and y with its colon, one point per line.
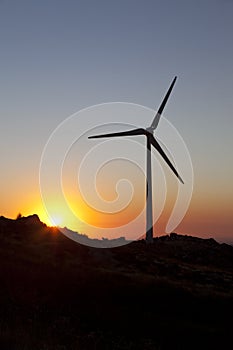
x: 148, y: 132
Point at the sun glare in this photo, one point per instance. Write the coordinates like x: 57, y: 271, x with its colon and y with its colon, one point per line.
x: 50, y: 220
x: 56, y: 220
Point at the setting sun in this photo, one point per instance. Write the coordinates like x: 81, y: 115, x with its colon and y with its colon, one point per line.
x: 56, y: 220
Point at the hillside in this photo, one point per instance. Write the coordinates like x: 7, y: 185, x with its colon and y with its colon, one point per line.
x: 58, y: 294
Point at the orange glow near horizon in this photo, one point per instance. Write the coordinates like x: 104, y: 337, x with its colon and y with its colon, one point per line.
x: 206, y: 216
x: 201, y: 221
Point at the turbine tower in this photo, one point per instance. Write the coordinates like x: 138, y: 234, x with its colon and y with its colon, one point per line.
x: 149, y: 133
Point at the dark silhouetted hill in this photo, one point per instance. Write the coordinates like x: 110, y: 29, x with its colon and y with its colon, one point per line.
x: 57, y: 294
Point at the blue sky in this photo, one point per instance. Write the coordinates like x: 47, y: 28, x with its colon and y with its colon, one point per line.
x: 57, y: 57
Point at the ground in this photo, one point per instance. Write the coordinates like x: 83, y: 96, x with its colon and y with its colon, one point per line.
x: 57, y: 294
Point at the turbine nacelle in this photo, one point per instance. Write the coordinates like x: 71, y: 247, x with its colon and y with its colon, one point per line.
x: 149, y: 130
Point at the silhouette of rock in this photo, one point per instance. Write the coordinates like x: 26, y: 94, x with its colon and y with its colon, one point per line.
x: 31, y: 220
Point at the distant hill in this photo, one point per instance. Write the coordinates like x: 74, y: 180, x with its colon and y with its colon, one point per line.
x: 57, y: 294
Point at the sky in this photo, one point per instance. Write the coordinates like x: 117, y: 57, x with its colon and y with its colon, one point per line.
x: 58, y: 57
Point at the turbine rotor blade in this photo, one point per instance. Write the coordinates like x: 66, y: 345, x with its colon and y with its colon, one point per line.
x: 156, y: 119
x: 118, y: 134
x: 164, y: 156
